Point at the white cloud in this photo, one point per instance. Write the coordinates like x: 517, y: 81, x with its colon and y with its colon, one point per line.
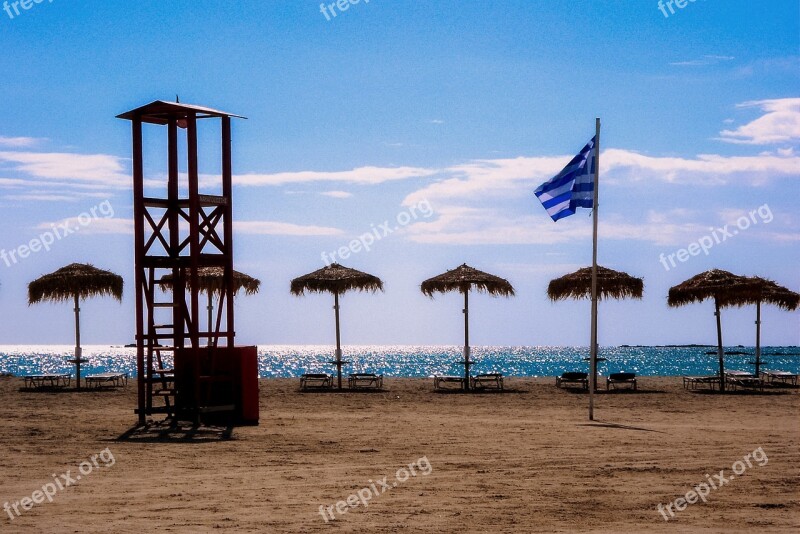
x: 283, y: 229
x: 489, y: 226
x: 75, y: 169
x: 336, y: 194
x: 100, y: 225
x: 50, y: 196
x: 361, y: 175
x: 704, y: 169
x: 779, y: 124
x: 705, y: 60
x: 12, y: 183
x: 19, y: 142
x: 536, y: 269
x: 770, y: 67
x: 458, y: 225
x: 505, y: 178
x: 782, y: 237
x: 437, y: 121
x: 42, y: 197
x: 499, y: 177
x: 475, y: 202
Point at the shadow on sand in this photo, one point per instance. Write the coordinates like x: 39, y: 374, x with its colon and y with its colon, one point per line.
x: 487, y: 391
x: 170, y: 431
x: 606, y: 424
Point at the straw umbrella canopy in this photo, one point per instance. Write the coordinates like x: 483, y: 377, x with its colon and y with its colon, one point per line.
x: 336, y: 279
x: 75, y: 281
x: 725, y: 288
x: 463, y: 279
x: 610, y: 284
x: 768, y: 292
x: 211, y: 281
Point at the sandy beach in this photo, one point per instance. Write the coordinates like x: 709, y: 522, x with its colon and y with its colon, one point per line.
x: 526, y: 460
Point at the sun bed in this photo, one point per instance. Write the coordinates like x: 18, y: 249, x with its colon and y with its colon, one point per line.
x: 743, y: 379
x: 365, y: 381
x: 488, y: 381
x: 739, y: 374
x: 573, y: 377
x: 113, y: 380
x: 784, y: 377
x: 54, y: 381
x: 438, y: 381
x: 316, y: 381
x: 615, y: 380
x: 693, y: 382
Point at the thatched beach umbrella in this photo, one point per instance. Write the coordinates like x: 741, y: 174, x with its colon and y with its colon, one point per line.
x: 727, y: 289
x: 75, y: 281
x: 463, y: 279
x: 768, y: 292
x: 336, y: 279
x: 212, y: 282
x: 610, y: 284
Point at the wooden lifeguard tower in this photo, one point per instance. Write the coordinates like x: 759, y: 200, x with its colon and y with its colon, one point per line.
x: 177, y: 231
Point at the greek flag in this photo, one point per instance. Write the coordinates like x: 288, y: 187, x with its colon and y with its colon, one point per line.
x: 572, y: 188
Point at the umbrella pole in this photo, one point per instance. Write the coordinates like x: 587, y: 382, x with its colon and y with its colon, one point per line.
x: 77, y: 343
x: 338, y: 341
x: 466, y: 340
x: 758, y: 338
x: 210, y: 308
x: 720, y: 350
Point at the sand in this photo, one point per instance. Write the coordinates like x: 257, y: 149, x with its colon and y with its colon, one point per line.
x: 526, y: 460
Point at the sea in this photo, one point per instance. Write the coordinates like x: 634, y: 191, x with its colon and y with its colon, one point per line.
x: 287, y: 361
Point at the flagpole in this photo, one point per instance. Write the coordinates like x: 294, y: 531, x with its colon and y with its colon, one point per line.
x: 593, y: 350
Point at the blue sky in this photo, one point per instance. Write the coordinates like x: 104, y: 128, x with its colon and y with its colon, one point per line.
x: 438, y: 117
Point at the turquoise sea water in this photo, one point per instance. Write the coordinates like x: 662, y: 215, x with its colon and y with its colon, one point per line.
x: 285, y: 361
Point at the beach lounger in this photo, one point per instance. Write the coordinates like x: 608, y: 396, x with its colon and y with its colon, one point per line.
x: 438, y: 381
x: 573, y: 377
x: 53, y: 381
x: 743, y: 379
x: 488, y: 381
x: 739, y: 374
x: 784, y: 377
x: 693, y: 382
x: 113, y: 380
x: 316, y: 381
x: 619, y: 379
x: 365, y: 381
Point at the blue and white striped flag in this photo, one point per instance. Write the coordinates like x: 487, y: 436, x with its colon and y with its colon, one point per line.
x: 572, y: 188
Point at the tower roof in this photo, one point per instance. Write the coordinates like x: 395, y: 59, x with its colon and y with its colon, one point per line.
x: 159, y: 112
